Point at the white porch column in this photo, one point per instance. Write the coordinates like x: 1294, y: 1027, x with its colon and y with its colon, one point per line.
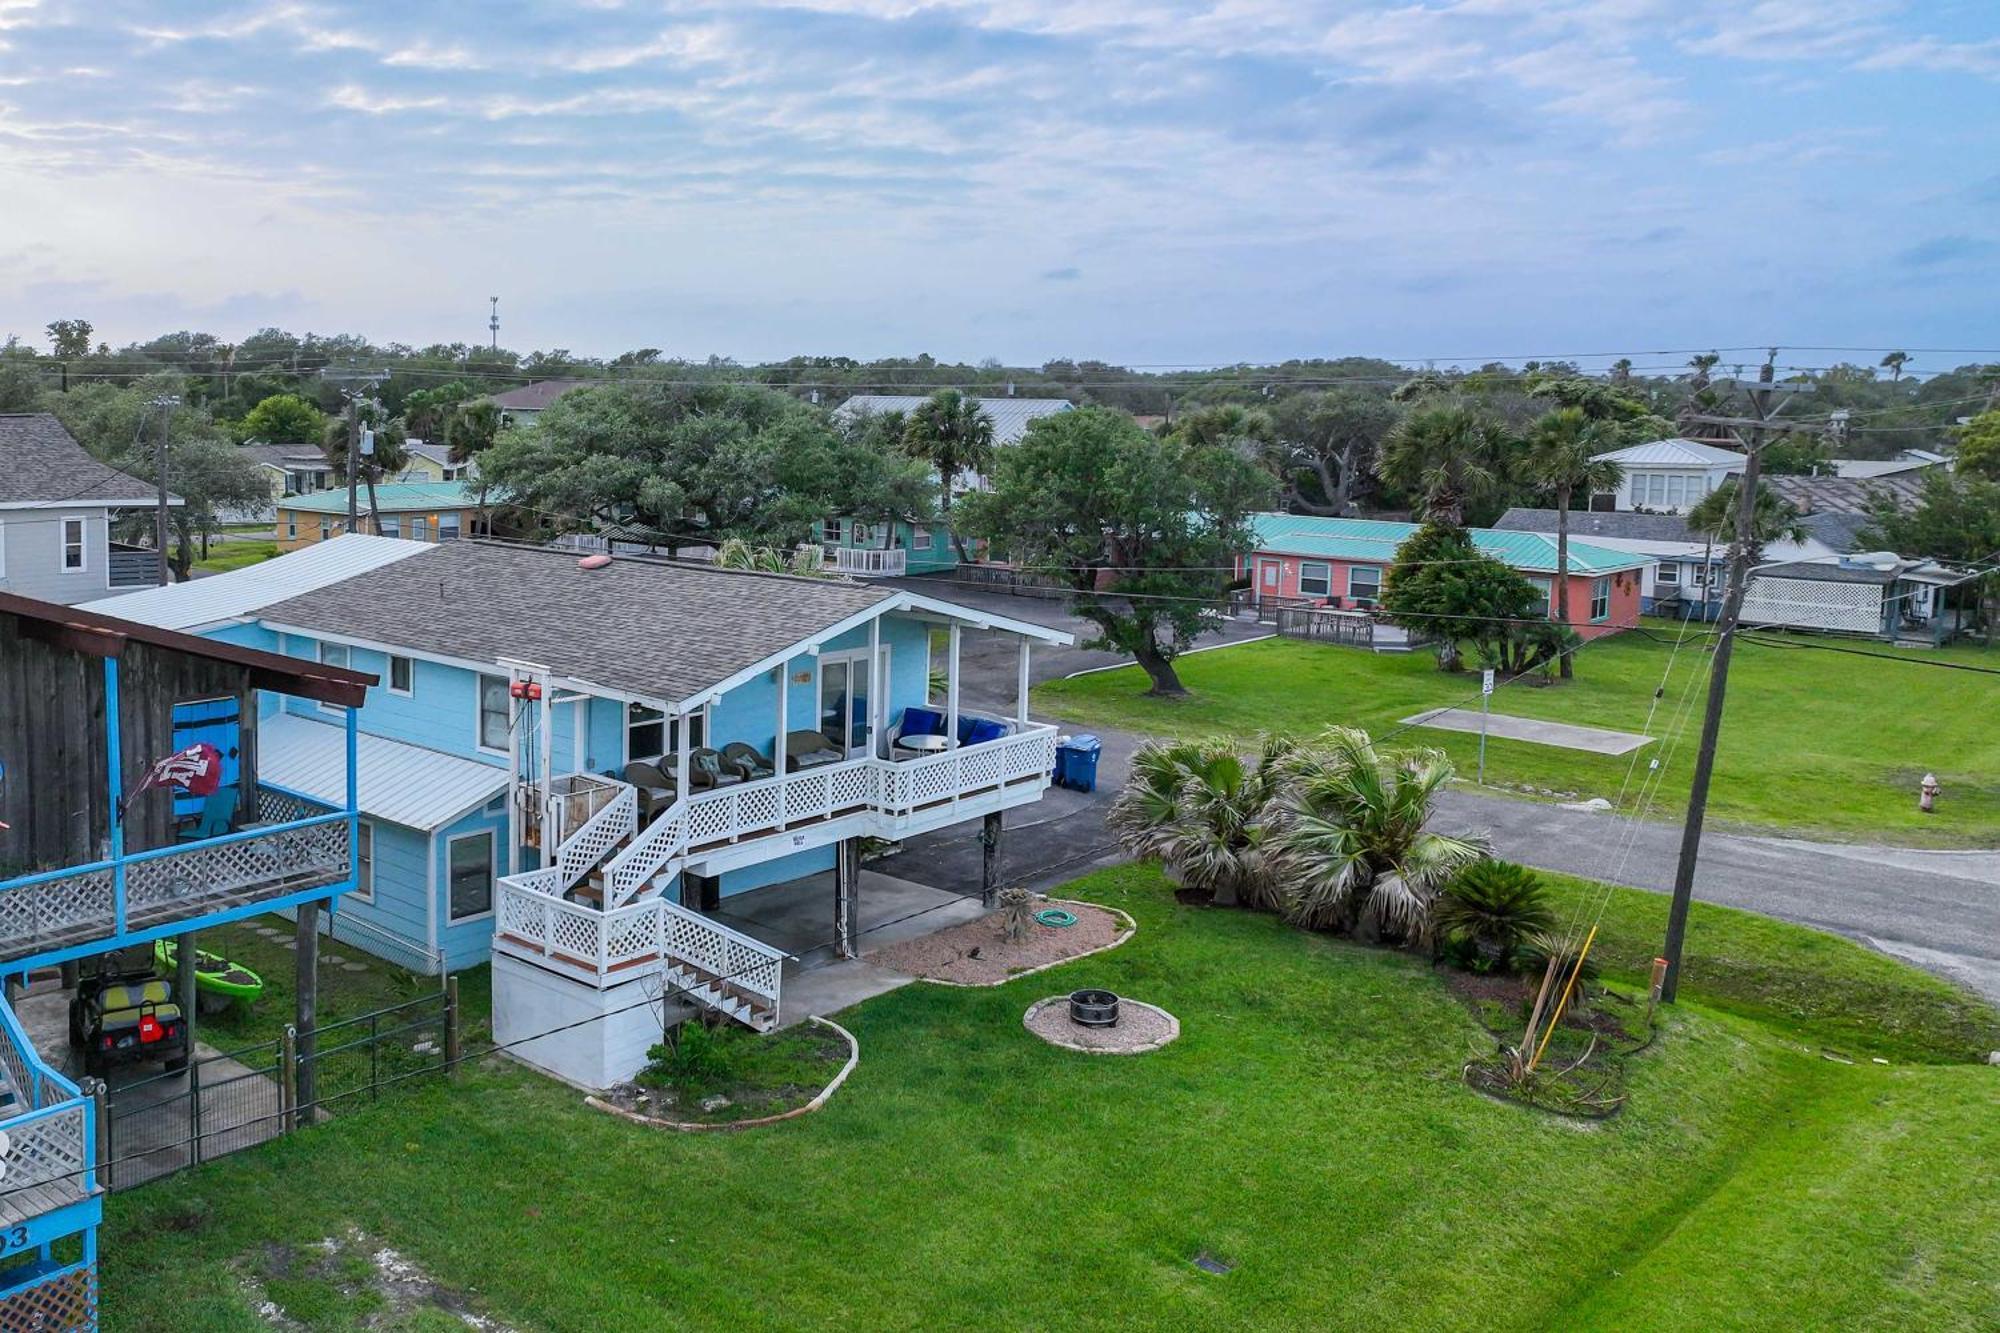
x: 551, y: 826
x: 951, y: 686
x: 515, y: 707
x: 680, y: 722
x: 779, y: 764
x: 877, y: 700
x: 1021, y: 685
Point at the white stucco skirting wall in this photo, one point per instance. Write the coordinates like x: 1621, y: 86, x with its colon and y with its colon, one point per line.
x: 1131, y: 929
x: 695, y: 1126
x: 591, y: 1039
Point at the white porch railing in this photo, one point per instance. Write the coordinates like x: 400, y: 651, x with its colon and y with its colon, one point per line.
x: 866, y: 563
x: 602, y: 947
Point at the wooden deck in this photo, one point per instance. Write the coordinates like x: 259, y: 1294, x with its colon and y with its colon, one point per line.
x: 29, y: 1202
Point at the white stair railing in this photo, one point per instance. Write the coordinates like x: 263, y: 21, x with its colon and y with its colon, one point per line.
x: 728, y: 955
x: 582, y: 850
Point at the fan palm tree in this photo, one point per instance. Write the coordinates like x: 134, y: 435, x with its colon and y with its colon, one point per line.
x: 388, y: 457
x: 1350, y: 843
x: 1894, y: 363
x: 1446, y: 455
x: 954, y: 434
x: 1201, y: 810
x: 1771, y: 519
x: 1562, y: 459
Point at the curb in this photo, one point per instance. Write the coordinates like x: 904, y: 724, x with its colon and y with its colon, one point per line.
x: 698, y: 1126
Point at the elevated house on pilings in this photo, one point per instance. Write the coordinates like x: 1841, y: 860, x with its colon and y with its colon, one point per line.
x: 97, y: 859
x: 658, y: 741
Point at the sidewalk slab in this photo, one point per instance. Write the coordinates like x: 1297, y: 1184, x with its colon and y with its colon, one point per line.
x: 1595, y: 740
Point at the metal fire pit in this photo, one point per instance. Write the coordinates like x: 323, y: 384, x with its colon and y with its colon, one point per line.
x: 1093, y: 1008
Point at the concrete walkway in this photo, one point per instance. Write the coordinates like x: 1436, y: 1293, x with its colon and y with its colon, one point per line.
x: 1563, y: 735
x: 797, y: 917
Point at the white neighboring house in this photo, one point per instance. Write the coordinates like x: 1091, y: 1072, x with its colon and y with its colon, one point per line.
x: 1011, y: 418
x: 1669, y: 476
x: 57, y: 504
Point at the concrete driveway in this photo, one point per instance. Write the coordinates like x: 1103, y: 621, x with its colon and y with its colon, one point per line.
x: 1938, y: 910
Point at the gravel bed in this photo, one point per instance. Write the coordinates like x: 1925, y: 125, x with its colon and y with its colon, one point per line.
x: 1141, y: 1027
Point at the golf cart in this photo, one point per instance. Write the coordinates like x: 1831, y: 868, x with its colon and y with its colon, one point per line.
x: 123, y: 1013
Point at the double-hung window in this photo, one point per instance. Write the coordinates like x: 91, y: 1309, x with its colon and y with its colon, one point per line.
x: 1315, y: 578
x: 1364, y: 582
x: 448, y: 527
x: 333, y: 655
x: 1600, y: 601
x: 390, y: 526
x: 402, y: 675
x: 920, y: 538
x: 495, y: 715
x: 75, y: 558
x: 470, y: 872
x: 1668, y: 573
x: 829, y: 530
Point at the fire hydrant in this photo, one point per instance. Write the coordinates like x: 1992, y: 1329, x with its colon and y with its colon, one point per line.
x: 1927, y: 800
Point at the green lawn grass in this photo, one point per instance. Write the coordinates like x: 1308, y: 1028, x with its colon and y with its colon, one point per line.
x: 1813, y: 742
x: 1309, y: 1127
x: 225, y: 556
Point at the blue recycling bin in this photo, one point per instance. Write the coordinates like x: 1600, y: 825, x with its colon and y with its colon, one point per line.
x: 1076, y: 763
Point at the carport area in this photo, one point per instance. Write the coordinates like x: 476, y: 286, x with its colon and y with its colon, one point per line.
x: 161, y: 1122
x: 798, y: 917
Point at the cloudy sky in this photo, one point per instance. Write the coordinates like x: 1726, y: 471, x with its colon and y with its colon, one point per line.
x: 1152, y: 181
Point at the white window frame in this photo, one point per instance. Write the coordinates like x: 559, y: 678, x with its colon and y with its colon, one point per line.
x: 451, y: 916
x: 920, y: 537
x: 346, y: 659
x: 457, y: 526
x: 1545, y: 584
x: 325, y: 529
x: 1600, y: 591
x: 409, y: 672
x: 81, y: 545
x: 859, y: 533
x: 662, y: 721
x: 1677, y: 490
x: 829, y: 530
x: 3, y: 550
x: 1375, y: 594
x: 364, y: 863
x: 291, y: 525
x: 1325, y: 578
x: 389, y: 525
x: 479, y: 712
x: 1667, y: 572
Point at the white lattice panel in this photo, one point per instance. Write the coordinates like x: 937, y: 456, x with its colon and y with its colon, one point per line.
x: 979, y: 767
x: 523, y: 914
x: 657, y: 844
x: 276, y: 807
x: 630, y: 934
x: 1812, y: 604
x: 711, y: 818
x: 852, y: 786
x: 51, y: 908
x: 574, y: 931
x: 582, y: 850
x: 757, y: 807
x: 806, y: 794
x: 185, y: 879
x: 47, y: 1147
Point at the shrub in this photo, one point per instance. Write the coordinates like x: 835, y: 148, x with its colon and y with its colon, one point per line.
x: 1489, y: 913
x: 1540, y: 947
x: 693, y: 1055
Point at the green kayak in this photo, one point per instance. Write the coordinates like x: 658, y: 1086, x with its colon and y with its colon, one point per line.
x: 212, y: 972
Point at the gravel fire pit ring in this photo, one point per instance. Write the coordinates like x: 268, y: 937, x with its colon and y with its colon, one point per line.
x: 1141, y: 1027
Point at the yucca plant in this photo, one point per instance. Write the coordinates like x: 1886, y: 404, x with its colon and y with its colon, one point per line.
x: 1489, y: 911
x: 1351, y: 846
x: 1201, y: 809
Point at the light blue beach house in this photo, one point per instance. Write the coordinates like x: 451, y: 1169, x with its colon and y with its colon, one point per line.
x: 572, y: 765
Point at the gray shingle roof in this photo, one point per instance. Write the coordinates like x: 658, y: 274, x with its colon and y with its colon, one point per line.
x: 286, y: 455
x: 1838, y: 532
x: 664, y: 631
x: 1846, y: 495
x: 534, y: 397
x: 1010, y: 415
x: 40, y: 461
x: 1829, y: 573
x: 1601, y: 523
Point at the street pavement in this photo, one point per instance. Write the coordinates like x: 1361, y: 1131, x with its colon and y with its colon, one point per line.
x: 1939, y: 910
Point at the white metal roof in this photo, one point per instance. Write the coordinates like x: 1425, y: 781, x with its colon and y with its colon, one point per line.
x: 1675, y: 453
x: 244, y: 592
x: 402, y: 783
x: 1010, y: 415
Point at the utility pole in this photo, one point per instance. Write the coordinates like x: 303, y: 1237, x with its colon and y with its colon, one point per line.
x: 164, y: 404
x: 352, y: 384
x: 1751, y: 431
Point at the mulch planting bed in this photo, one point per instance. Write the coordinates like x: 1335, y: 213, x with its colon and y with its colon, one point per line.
x: 978, y: 953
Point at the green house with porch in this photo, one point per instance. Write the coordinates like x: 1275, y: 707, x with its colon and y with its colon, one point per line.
x: 886, y: 548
